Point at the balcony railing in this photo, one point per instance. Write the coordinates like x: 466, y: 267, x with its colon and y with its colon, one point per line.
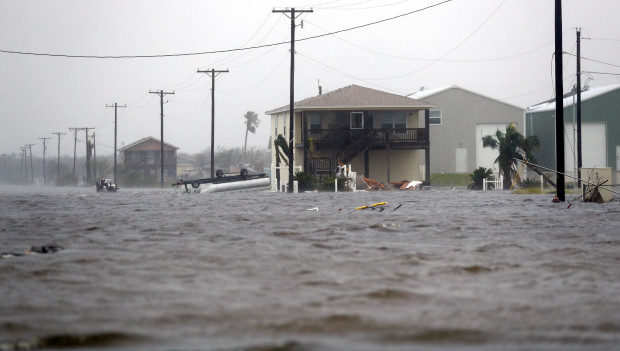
x: 401, y: 135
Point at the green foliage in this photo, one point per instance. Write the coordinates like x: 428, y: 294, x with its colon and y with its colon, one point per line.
x: 281, y: 147
x: 478, y: 177
x: 306, y: 181
x: 251, y: 123
x: 512, y: 147
x: 450, y: 179
x: 327, y: 183
x: 530, y: 183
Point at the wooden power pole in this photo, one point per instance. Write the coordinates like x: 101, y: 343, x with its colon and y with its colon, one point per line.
x: 213, y: 73
x: 292, y: 13
x: 44, y: 148
x: 559, y: 103
x: 161, y: 94
x: 58, y: 170
x: 116, y: 106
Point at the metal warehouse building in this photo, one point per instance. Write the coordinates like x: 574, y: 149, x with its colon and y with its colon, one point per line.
x: 600, y: 130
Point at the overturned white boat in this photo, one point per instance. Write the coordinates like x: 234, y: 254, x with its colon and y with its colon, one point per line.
x: 225, y: 182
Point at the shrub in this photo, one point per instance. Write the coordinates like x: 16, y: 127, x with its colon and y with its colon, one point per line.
x: 327, y: 183
x: 478, y: 176
x: 305, y: 181
x: 530, y: 183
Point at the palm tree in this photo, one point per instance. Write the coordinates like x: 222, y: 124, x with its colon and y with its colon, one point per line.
x: 512, y: 147
x: 251, y: 123
x: 280, y: 146
x: 478, y: 178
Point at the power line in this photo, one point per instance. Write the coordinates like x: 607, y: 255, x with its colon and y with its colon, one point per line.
x: 604, y: 73
x: 349, y: 8
x: 31, y: 53
x: 588, y: 59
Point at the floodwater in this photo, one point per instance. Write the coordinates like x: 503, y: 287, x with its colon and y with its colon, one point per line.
x: 153, y: 269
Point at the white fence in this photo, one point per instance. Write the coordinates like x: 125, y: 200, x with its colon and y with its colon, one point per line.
x: 498, y: 184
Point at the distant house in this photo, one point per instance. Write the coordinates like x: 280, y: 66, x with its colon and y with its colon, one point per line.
x: 144, y: 156
x: 185, y: 167
x: 458, y: 123
x: 600, y: 130
x: 378, y: 133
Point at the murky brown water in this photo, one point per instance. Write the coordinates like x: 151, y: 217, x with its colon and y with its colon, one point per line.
x: 448, y: 270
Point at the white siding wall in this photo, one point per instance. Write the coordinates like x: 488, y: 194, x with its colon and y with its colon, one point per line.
x: 405, y: 165
x: 461, y: 110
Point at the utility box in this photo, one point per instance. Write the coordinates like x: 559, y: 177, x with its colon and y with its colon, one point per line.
x: 597, y: 176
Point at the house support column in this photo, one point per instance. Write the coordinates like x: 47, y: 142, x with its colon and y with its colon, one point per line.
x: 427, y: 150
x: 304, y: 141
x: 367, y: 164
x: 389, y: 151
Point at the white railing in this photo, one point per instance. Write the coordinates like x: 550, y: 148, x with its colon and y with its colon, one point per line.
x: 351, y: 177
x: 498, y: 184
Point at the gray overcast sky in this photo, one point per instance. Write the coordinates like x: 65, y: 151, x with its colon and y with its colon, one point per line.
x: 499, y: 48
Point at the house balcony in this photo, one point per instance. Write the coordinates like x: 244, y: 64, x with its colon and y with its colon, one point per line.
x: 401, y: 138
x: 335, y: 146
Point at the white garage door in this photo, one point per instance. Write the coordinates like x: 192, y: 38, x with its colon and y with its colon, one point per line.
x: 485, y: 157
x: 593, y: 146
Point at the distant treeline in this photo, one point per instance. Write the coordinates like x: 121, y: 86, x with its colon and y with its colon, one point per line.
x: 15, y: 169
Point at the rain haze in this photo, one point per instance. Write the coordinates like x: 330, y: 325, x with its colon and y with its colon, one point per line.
x: 499, y: 48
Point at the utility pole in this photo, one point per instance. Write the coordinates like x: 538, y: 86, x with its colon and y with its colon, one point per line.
x: 88, y: 153
x: 292, y: 14
x: 23, y: 173
x: 29, y: 146
x: 116, y: 106
x: 213, y: 73
x: 161, y: 94
x: 95, y: 157
x: 58, y: 170
x: 559, y: 103
x: 75, y: 130
x: 44, y: 148
x: 579, y: 159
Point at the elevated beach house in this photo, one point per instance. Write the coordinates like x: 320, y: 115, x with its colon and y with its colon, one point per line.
x: 144, y: 156
x: 381, y: 135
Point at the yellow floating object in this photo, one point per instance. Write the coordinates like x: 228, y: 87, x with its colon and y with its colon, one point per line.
x: 371, y: 206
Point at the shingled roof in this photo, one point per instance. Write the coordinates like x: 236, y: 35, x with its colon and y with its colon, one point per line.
x: 148, y: 145
x: 355, y: 97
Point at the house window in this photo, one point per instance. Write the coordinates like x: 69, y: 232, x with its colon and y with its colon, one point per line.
x: 400, y: 121
x: 135, y: 155
x: 396, y: 120
x: 357, y: 120
x: 315, y: 121
x: 434, y: 117
x: 284, y: 124
x: 275, y: 118
x: 150, y: 157
x: 386, y: 121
